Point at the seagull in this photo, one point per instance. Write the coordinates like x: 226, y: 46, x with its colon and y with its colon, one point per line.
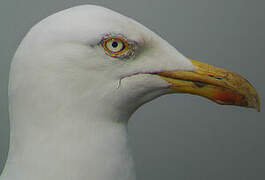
x: 76, y: 79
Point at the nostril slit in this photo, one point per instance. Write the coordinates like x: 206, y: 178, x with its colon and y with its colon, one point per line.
x: 216, y: 77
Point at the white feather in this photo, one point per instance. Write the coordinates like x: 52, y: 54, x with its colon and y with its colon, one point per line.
x: 70, y: 102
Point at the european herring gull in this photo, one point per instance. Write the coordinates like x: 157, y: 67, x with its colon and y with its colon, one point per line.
x: 75, y: 80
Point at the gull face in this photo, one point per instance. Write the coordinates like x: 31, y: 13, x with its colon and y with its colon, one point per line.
x: 97, y: 49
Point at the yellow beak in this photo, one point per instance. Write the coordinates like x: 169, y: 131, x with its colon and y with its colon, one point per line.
x: 217, y: 84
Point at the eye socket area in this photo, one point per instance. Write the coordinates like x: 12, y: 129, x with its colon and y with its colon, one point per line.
x: 115, y: 45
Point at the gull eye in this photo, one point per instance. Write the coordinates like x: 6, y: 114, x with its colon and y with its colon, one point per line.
x: 115, y: 45
x: 118, y: 46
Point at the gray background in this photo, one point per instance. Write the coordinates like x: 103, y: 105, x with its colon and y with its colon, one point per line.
x: 176, y: 136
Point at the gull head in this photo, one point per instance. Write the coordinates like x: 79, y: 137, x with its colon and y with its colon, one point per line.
x: 99, y: 58
x: 79, y: 72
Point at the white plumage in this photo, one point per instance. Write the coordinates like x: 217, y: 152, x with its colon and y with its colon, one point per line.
x: 68, y: 112
x: 70, y: 99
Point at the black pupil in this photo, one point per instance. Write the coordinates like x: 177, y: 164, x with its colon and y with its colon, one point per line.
x: 114, y: 44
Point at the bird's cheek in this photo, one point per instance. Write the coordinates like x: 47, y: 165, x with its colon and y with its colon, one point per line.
x: 138, y: 89
x: 143, y: 82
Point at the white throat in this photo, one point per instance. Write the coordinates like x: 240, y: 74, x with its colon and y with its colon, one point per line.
x: 79, y: 141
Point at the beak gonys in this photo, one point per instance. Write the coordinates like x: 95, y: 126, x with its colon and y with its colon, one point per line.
x: 217, y: 84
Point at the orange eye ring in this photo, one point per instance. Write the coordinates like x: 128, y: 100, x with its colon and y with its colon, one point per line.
x: 115, y: 46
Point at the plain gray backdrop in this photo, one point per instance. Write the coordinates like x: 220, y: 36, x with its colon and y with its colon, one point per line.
x: 176, y: 136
